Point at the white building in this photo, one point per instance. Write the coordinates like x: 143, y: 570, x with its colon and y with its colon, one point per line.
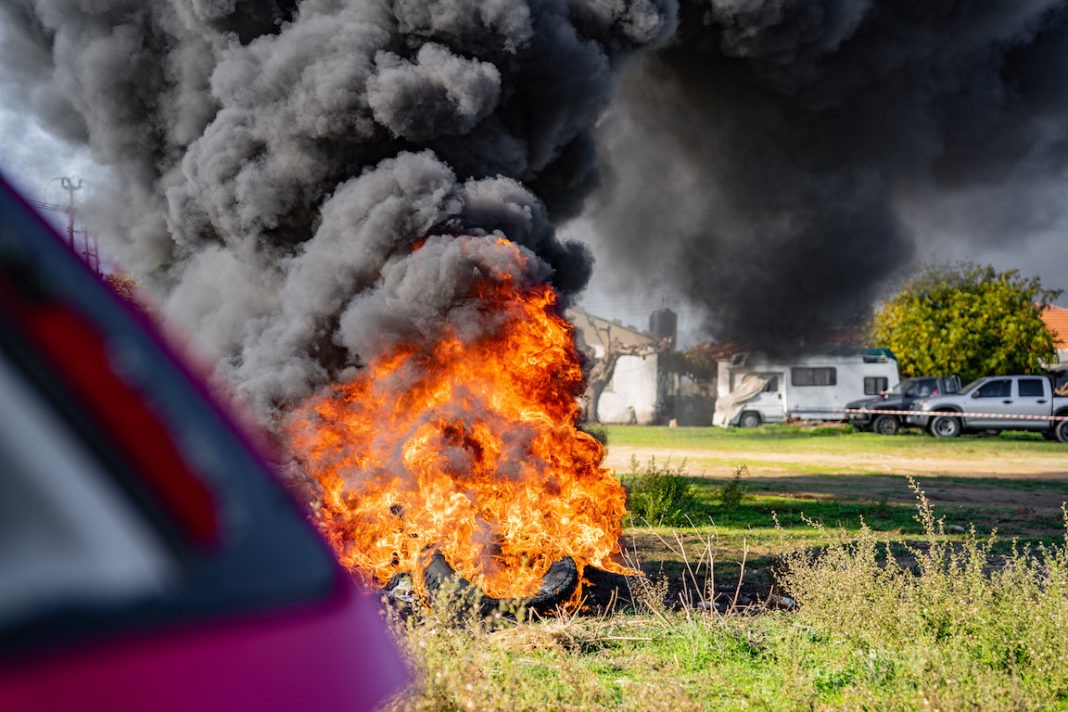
x: 624, y: 383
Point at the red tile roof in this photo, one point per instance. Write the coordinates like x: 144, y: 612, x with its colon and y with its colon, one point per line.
x: 1056, y: 319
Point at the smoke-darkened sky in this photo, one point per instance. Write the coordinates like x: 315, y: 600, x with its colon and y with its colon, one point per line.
x: 769, y: 167
x: 780, y: 163
x: 273, y: 166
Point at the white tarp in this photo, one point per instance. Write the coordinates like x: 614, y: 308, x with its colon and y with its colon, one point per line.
x: 731, y: 404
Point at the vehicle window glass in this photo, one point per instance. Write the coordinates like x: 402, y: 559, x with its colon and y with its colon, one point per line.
x: 874, y: 385
x: 969, y: 388
x: 1000, y: 388
x: 925, y: 388
x: 1031, y: 387
x: 69, y: 536
x: 772, y: 385
x: 814, y: 376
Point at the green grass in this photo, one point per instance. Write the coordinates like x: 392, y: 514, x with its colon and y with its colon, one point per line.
x: 902, y: 604
x: 768, y: 514
x: 938, y: 624
x: 827, y: 438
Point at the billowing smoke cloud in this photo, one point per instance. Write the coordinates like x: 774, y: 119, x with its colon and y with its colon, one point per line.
x: 780, y: 160
x: 278, y: 161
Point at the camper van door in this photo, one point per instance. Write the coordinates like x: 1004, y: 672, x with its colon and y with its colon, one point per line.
x: 770, y: 403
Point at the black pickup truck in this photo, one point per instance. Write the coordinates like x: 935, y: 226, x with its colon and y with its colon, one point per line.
x: 900, y: 397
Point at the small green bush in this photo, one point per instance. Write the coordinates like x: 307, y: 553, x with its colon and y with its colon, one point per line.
x: 596, y: 431
x: 659, y: 495
x: 732, y: 493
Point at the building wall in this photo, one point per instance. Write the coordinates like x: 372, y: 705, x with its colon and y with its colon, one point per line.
x: 631, y: 395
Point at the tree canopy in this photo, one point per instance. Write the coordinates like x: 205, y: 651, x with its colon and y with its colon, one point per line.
x: 697, y: 362
x: 967, y: 319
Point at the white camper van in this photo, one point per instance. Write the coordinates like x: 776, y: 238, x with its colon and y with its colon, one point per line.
x: 761, y: 390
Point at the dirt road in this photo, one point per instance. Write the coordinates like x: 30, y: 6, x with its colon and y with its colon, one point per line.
x: 770, y: 463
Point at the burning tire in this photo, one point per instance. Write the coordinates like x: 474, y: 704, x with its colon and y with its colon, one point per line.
x: 945, y: 426
x: 557, y: 586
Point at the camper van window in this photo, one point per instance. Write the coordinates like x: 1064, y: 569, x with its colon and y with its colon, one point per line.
x: 874, y: 385
x: 814, y: 376
x: 772, y: 385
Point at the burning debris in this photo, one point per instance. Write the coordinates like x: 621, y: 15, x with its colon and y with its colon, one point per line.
x: 465, y: 443
x: 557, y: 587
x: 349, y: 206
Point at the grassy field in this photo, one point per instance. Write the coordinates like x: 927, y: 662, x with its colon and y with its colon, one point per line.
x: 948, y: 593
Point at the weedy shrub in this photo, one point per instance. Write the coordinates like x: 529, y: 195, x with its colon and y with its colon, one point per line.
x: 731, y: 494
x: 940, y: 624
x: 462, y: 660
x: 660, y: 495
x: 596, y: 431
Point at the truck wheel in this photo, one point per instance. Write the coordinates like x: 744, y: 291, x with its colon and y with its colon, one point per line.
x: 1062, y: 431
x: 886, y: 425
x: 749, y: 419
x: 945, y: 426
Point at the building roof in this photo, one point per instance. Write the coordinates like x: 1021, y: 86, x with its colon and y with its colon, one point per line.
x: 1056, y: 319
x: 605, y: 333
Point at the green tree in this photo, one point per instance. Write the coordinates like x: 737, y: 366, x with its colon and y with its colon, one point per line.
x: 967, y: 319
x: 698, y: 362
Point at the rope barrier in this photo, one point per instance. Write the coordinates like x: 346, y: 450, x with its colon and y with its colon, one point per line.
x: 931, y: 413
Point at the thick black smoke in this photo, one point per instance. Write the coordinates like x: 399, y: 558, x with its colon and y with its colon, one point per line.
x: 781, y: 159
x: 278, y: 161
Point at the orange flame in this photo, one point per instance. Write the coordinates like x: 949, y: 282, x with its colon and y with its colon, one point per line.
x: 469, y: 447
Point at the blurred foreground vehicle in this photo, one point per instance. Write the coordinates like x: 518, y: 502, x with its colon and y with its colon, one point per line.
x: 148, y: 557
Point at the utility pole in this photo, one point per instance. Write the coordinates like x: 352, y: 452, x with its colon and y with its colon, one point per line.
x: 69, y: 186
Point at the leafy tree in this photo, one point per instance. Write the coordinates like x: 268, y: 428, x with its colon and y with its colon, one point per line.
x: 967, y: 319
x: 698, y: 362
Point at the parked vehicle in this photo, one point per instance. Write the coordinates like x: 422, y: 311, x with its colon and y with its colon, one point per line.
x: 996, y: 403
x: 812, y: 387
x: 149, y: 558
x: 900, y: 397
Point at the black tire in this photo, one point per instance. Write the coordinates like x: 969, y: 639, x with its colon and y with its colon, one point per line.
x: 557, y: 585
x: 750, y: 419
x: 1061, y: 430
x: 886, y: 425
x: 946, y: 426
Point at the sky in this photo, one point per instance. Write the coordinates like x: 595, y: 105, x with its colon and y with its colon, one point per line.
x: 35, y: 160
x: 768, y: 169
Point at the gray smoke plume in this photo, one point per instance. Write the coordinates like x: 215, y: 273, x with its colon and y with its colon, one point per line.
x: 278, y: 161
x: 780, y: 160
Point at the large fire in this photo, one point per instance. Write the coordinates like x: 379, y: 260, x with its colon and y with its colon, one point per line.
x: 469, y: 447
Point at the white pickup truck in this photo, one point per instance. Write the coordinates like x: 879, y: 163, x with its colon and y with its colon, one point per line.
x: 996, y: 403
